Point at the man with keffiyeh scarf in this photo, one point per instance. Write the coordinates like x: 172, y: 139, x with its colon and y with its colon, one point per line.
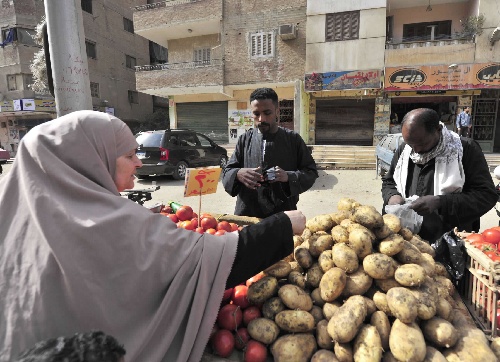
x: 449, y: 174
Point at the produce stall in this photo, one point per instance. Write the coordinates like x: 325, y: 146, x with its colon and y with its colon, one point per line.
x: 358, y: 287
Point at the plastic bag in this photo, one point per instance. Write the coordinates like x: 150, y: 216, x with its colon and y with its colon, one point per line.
x: 450, y: 251
x: 409, y: 218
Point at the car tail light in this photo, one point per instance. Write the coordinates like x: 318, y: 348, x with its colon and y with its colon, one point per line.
x: 163, y: 154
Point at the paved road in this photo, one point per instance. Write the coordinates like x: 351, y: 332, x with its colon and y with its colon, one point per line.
x: 361, y: 185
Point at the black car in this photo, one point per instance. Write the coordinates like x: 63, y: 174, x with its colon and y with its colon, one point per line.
x: 172, y: 151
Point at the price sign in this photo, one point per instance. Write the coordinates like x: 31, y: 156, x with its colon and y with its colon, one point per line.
x: 201, y: 181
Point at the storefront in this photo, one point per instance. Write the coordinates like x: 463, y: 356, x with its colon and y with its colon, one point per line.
x: 208, y: 118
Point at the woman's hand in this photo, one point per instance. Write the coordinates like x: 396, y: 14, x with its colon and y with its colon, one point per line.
x: 298, y: 221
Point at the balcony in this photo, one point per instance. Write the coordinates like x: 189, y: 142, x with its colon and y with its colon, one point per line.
x: 177, y: 19
x: 181, y: 78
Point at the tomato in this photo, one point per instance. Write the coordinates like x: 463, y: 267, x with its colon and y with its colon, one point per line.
x: 255, y: 352
x: 184, y: 213
x: 493, y: 255
x: 484, y: 246
x: 173, y: 217
x: 200, y: 230
x: 220, y: 232
x: 251, y: 313
x: 230, y: 317
x: 167, y: 210
x: 255, y: 278
x: 234, y: 226
x: 211, y: 231
x: 241, y: 338
x: 223, y: 343
x: 475, y: 237
x: 194, y: 222
x: 239, y: 296
x: 224, y: 225
x: 491, y: 236
x: 208, y: 222
x: 186, y: 224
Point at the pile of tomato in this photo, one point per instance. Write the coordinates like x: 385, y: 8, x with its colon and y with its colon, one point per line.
x: 487, y: 242
x: 230, y: 331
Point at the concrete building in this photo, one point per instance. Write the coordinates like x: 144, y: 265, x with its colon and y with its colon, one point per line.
x: 113, y: 51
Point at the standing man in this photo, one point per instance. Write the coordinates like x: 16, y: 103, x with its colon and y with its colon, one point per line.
x: 270, y: 165
x: 448, y: 173
x: 464, y: 123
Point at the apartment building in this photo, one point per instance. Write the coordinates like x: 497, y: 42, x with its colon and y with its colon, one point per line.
x: 219, y: 52
x: 113, y: 51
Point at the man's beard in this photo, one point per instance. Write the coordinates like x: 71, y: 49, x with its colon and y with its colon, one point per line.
x: 264, y: 127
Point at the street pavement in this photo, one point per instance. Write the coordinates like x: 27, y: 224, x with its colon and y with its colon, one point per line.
x: 361, y: 185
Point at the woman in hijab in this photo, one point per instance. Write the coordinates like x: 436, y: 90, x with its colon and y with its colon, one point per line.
x: 76, y: 256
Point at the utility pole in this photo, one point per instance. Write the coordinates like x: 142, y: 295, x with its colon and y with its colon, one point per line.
x: 68, y: 57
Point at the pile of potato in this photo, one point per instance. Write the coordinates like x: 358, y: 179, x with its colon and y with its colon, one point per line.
x: 358, y: 287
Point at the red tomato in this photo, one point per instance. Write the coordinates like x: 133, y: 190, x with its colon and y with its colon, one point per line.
x: 241, y: 338
x: 229, y: 317
x: 223, y: 343
x: 227, y: 294
x: 211, y: 231
x: 224, y: 225
x: 167, y: 210
x: 255, y: 278
x: 484, y: 246
x: 173, y: 217
x: 239, y: 297
x: 194, y: 222
x: 251, y: 313
x: 491, y: 236
x: 255, y: 352
x: 200, y: 230
x: 186, y: 224
x: 474, y: 237
x: 234, y: 226
x: 208, y: 222
x: 184, y: 213
x: 220, y: 232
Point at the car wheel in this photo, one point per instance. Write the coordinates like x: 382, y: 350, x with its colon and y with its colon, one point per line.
x: 223, y: 161
x: 180, y: 170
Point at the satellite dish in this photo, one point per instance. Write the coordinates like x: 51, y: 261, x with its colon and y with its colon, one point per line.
x: 495, y: 35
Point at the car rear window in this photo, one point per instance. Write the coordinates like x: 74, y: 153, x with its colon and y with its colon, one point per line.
x: 149, y: 139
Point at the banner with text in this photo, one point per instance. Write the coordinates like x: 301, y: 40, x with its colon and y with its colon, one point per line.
x: 343, y: 80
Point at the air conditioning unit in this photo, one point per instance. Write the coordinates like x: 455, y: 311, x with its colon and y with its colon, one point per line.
x: 288, y: 31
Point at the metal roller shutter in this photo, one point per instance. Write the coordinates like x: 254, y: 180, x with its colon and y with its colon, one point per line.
x: 209, y: 118
x: 345, y: 122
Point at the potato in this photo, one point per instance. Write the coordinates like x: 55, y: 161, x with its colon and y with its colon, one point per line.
x: 339, y: 234
x: 295, y: 298
x: 407, y: 342
x: 444, y: 309
x: 346, y: 320
x: 271, y: 307
x: 279, y: 270
x: 303, y: 257
x: 386, y: 284
x: 380, y: 321
x: 325, y: 260
x: 422, y: 245
x: 263, y: 330
x: 426, y: 305
x: 357, y: 283
x: 393, y: 222
x: 367, y: 344
x: 306, y: 234
x: 440, y: 269
x: 296, y: 278
x: 313, y: 276
x: 322, y: 337
x: 345, y: 258
x: 433, y: 355
x: 495, y: 347
x: 317, y: 313
x: 347, y: 204
x: 409, y: 254
x: 316, y: 297
x: 403, y: 304
x: 391, y: 245
x: 361, y: 242
x: 380, y: 300
x: 294, y: 347
x: 320, y: 244
x: 444, y: 285
x: 262, y: 290
x: 343, y: 351
x: 371, y: 307
x: 330, y: 308
x: 320, y: 223
x: 324, y: 355
x: 340, y: 215
x: 428, y: 264
x: 410, y: 275
x: 332, y: 284
x: 440, y: 332
x: 406, y: 233
x: 354, y: 225
x: 346, y: 223
x: 295, y: 321
x: 296, y: 266
x: 379, y: 266
x: 389, y: 357
x: 367, y: 216
x: 382, y: 232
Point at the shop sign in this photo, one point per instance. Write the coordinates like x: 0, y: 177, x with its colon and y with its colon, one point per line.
x: 357, y: 79
x: 6, y: 106
x: 443, y: 77
x: 45, y: 105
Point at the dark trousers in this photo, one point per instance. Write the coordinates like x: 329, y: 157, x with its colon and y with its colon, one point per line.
x: 464, y: 132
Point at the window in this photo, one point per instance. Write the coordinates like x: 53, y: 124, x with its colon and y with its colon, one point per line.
x: 205, y: 142
x: 94, y: 89
x: 91, y: 49
x: 11, y: 82
x: 21, y: 35
x: 286, y: 111
x: 27, y: 81
x: 188, y: 139
x: 87, y: 6
x: 130, y: 62
x: 262, y: 45
x: 427, y: 31
x: 128, y: 25
x: 202, y: 55
x: 342, y: 26
x: 157, y: 53
x: 133, y: 97
x: 3, y: 124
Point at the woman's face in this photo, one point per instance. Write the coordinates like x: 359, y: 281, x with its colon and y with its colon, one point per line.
x: 125, y: 170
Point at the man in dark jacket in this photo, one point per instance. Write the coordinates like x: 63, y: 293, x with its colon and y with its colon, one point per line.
x: 449, y: 174
x: 270, y: 166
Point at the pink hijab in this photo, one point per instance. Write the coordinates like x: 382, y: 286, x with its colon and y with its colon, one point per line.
x: 76, y: 256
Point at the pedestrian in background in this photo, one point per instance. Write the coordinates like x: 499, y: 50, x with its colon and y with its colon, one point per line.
x: 270, y: 165
x: 464, y: 123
